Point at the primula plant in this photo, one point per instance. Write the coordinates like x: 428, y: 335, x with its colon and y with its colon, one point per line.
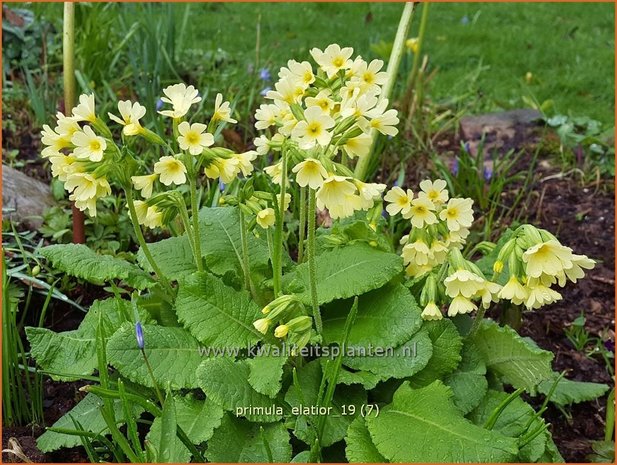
x: 226, y: 342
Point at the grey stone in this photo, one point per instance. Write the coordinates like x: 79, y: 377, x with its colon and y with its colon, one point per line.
x: 24, y: 199
x: 473, y: 127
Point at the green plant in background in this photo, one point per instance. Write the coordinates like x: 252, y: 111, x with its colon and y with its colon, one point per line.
x: 248, y: 345
x: 590, y: 345
x: 604, y: 451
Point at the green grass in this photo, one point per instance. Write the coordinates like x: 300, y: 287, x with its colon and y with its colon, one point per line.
x: 568, y: 47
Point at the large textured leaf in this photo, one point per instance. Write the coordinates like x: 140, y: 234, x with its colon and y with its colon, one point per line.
x: 226, y: 382
x: 197, y: 418
x: 72, y: 354
x: 367, y: 379
x: 513, y: 422
x: 173, y: 354
x: 239, y: 441
x: 517, y: 361
x: 265, y: 373
x: 216, y: 314
x: 346, y: 272
x: 360, y: 447
x: 87, y: 412
x: 401, y: 362
x: 306, y: 394
x: 447, y: 344
x: 174, y: 257
x: 468, y: 382
x: 423, y: 425
x: 221, y: 244
x: 386, y: 317
x: 80, y: 261
x: 572, y: 392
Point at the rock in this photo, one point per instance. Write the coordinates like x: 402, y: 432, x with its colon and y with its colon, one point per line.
x: 24, y: 199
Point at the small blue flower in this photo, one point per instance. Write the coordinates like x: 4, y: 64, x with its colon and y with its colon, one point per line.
x: 221, y: 185
x: 159, y: 104
x: 467, y: 147
x: 465, y: 20
x: 454, y: 167
x: 488, y: 174
x: 139, y: 333
x: 264, y: 74
x: 264, y: 91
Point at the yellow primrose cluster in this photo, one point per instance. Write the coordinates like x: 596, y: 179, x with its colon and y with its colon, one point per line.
x: 318, y: 115
x: 291, y: 323
x: 438, y: 224
x: 84, y: 155
x: 535, y: 261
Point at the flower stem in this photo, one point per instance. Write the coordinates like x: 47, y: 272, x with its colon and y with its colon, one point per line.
x: 476, y: 322
x: 186, y: 221
x: 246, y: 266
x: 278, y: 232
x: 143, y: 244
x: 311, y: 260
x: 302, y: 227
x: 195, y: 215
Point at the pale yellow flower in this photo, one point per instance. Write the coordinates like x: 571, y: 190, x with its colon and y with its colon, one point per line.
x: 574, y: 273
x: 300, y: 72
x: 266, y: 115
x: 358, y: 146
x: 266, y: 218
x: 286, y: 202
x: 281, y: 331
x: 369, y: 193
x: 383, y: 120
x: 170, y: 171
x: 180, y: 97
x: 321, y: 100
x: 141, y: 210
x: 334, y: 192
x: 275, y: 172
x: 83, y: 205
x: 333, y: 58
x: 62, y: 166
x: 130, y: 114
x: 53, y: 141
x: 262, y: 325
x: 67, y: 125
x: 461, y: 305
x: 458, y: 214
x: 435, y: 191
x: 85, y: 186
x: 154, y: 218
x: 88, y: 145
x: 245, y: 161
x: 412, y: 44
x: 421, y: 213
x: 194, y: 138
x: 287, y: 91
x: 463, y: 282
x: 310, y: 172
x: 431, y: 312
x: 398, y: 200
x: 370, y: 76
x: 144, y: 184
x: 314, y: 129
x: 345, y: 208
x: 514, y: 291
x: 417, y: 252
x: 226, y: 169
x: 84, y: 111
x: 540, y: 295
x: 222, y: 111
x: 548, y: 257
x: 489, y: 293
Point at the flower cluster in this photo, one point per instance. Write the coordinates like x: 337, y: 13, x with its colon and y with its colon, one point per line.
x: 84, y: 155
x: 288, y: 315
x: 321, y: 118
x: 535, y: 260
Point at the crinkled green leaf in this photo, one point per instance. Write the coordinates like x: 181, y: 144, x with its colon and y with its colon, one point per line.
x: 400, y: 362
x: 72, y: 354
x: 447, y: 344
x: 360, y: 447
x: 387, y: 317
x: 226, y: 382
x: 512, y: 422
x: 572, y: 392
x: 87, y: 412
x: 423, y: 425
x: 174, y: 257
x: 173, y: 353
x: 240, y: 441
x: 468, y: 382
x: 265, y: 373
x: 345, y: 376
x: 345, y: 272
x: 516, y: 360
x: 82, y: 262
x: 216, y: 314
x: 197, y: 418
x: 306, y: 394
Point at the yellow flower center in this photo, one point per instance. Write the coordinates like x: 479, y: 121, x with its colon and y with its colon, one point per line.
x: 192, y: 138
x: 369, y: 78
x: 451, y: 213
x: 95, y: 145
x: 308, y: 77
x: 338, y: 62
x: 314, y: 129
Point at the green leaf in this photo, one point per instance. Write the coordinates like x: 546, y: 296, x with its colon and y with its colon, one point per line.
x: 345, y: 272
x: 265, y: 374
x: 165, y: 440
x: 173, y: 354
x: 366, y: 379
x: 512, y: 422
x: 572, y: 392
x: 80, y: 261
x: 216, y: 314
x: 197, y: 418
x: 226, y: 382
x: 517, y: 361
x: 386, y: 317
x: 221, y: 244
x: 240, y: 441
x: 360, y: 447
x: 423, y: 425
x: 486, y: 263
x: 305, y: 395
x: 400, y: 362
x: 72, y: 354
x: 174, y: 257
x: 447, y: 344
x: 468, y: 382
x: 87, y: 412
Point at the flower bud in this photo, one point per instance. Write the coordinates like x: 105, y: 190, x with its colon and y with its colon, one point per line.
x: 281, y: 331
x: 262, y: 325
x: 299, y: 324
x: 139, y: 334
